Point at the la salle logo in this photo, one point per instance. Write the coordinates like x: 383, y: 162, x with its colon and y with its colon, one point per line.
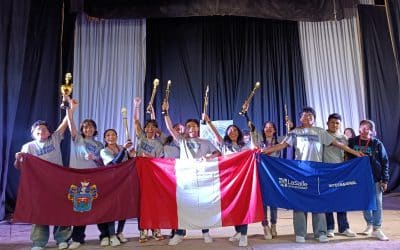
x: 82, y: 196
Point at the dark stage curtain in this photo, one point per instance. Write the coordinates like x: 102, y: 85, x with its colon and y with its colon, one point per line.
x: 229, y: 54
x: 310, y: 10
x: 29, y: 74
x: 382, y: 83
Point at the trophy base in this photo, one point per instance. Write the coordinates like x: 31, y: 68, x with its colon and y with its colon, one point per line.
x: 65, y: 106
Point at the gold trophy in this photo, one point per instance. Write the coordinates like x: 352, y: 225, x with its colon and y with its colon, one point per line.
x: 205, y: 103
x: 153, y: 93
x: 125, y: 122
x: 248, y: 99
x: 66, y: 90
x: 166, y: 97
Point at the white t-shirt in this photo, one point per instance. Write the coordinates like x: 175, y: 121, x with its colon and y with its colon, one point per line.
x: 84, y: 146
x: 308, y: 143
x: 333, y: 154
x: 195, y: 148
x: 48, y: 150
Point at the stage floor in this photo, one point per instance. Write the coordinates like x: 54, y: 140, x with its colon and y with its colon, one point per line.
x: 16, y: 236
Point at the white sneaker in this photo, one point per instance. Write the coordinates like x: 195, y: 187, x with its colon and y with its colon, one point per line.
x: 323, y: 238
x: 37, y: 248
x: 243, y: 241
x: 74, y: 245
x: 235, y: 237
x: 300, y: 239
x: 105, y: 242
x: 367, y: 231
x: 349, y: 233
x: 175, y: 240
x: 379, y: 234
x: 274, y: 233
x: 330, y: 233
x: 143, y: 236
x: 62, y: 245
x: 114, y: 241
x: 267, y: 233
x: 121, y: 238
x: 207, y: 238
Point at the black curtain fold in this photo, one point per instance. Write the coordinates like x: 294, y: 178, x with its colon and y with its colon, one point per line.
x: 29, y: 74
x: 382, y: 83
x: 229, y: 54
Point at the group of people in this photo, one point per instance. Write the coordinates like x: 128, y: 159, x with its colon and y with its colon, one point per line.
x: 310, y: 143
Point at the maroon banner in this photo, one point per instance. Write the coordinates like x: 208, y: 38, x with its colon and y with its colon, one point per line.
x: 50, y: 194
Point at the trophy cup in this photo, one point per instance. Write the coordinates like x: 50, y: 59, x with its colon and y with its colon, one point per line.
x: 66, y: 90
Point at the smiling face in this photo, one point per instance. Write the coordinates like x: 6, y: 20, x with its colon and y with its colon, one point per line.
x: 150, y: 130
x: 41, y: 133
x: 88, y: 129
x: 365, y: 131
x: 307, y: 119
x: 333, y: 125
x: 233, y: 133
x: 110, y: 137
x: 192, y: 129
x: 269, y: 130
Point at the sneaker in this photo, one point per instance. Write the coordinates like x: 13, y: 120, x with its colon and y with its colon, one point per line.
x: 267, y: 233
x: 349, y: 233
x: 274, y: 233
x: 114, y: 241
x: 377, y: 233
x: 74, y: 245
x: 62, y: 245
x: 105, y: 242
x: 121, y: 238
x: 235, y: 237
x: 243, y: 241
x: 300, y: 239
x: 207, y: 238
x: 37, y: 248
x: 330, y: 233
x: 143, y: 236
x: 367, y: 231
x: 157, y: 234
x: 175, y: 240
x: 323, y: 238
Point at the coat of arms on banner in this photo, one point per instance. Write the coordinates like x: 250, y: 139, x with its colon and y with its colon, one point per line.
x: 82, y: 196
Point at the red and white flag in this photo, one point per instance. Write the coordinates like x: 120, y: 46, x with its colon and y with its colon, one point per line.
x: 195, y: 194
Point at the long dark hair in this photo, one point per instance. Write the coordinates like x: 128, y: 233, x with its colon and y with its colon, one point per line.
x: 104, y: 135
x: 274, y: 136
x: 228, y: 140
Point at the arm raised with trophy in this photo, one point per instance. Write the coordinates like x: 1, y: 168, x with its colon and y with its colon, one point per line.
x: 168, y: 122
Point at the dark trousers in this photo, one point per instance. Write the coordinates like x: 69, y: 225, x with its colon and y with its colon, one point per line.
x: 182, y: 232
x: 108, y: 229
x: 242, y: 229
x: 78, y: 234
x: 343, y: 223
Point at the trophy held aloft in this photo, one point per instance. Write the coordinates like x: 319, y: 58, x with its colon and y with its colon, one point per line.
x: 66, y: 90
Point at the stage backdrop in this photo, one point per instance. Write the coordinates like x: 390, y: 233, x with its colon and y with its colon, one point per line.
x: 229, y: 54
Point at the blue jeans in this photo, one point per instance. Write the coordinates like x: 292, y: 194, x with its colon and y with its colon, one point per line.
x: 242, y: 229
x: 40, y: 234
x: 300, y: 224
x: 343, y: 223
x: 374, y: 217
x: 274, y: 216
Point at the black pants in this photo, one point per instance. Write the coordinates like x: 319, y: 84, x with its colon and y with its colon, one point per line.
x: 78, y: 234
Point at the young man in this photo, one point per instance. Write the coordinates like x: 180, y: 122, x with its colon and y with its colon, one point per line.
x: 191, y: 147
x: 334, y: 154
x: 308, y: 141
x: 374, y: 149
x: 46, y: 146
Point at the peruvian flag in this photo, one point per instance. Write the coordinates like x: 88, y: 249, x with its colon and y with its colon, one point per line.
x: 196, y: 194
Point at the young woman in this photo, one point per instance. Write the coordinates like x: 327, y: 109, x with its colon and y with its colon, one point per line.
x: 149, y: 145
x: 232, y: 142
x: 114, y: 154
x: 87, y: 155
